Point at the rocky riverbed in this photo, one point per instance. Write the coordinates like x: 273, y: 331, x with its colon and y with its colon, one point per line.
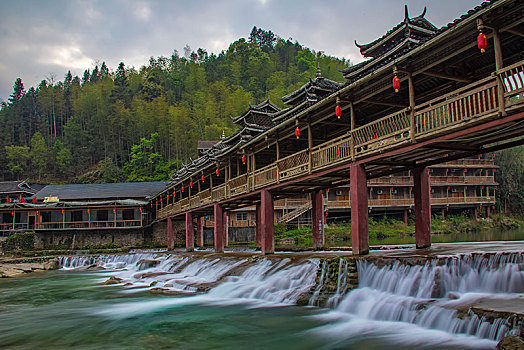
x: 17, y: 267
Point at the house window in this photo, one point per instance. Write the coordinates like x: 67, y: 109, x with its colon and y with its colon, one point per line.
x: 128, y: 214
x: 76, y: 215
x: 242, y: 216
x: 380, y: 192
x: 102, y: 215
x: 338, y: 193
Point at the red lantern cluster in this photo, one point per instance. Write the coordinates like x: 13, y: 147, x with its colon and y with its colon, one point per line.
x: 244, y: 159
x: 482, y: 42
x: 297, y: 132
x: 338, y: 111
x: 396, y: 83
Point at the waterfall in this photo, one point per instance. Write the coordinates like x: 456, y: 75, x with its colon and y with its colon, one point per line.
x: 437, y: 295
x: 280, y: 281
x: 393, y: 299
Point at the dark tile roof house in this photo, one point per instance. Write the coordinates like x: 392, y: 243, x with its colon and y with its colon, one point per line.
x: 107, y: 191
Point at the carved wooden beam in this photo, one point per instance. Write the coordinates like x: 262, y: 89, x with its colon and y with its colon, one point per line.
x: 447, y: 76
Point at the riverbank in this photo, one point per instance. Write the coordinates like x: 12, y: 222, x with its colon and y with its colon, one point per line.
x: 386, y: 231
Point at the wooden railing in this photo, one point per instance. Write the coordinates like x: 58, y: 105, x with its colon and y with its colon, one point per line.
x: 450, y: 112
x: 219, y: 193
x: 382, y: 132
x: 294, y: 165
x: 238, y: 185
x: 265, y: 176
x: 331, y: 152
x: 512, y: 79
x: 470, y: 102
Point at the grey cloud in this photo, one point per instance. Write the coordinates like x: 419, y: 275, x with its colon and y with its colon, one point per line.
x: 39, y: 37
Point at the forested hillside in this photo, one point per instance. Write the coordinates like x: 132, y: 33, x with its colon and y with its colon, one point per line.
x: 140, y: 125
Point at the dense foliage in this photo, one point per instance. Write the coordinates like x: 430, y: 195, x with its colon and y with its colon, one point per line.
x: 138, y: 125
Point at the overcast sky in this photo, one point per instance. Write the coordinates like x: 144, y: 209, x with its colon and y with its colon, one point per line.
x: 42, y: 38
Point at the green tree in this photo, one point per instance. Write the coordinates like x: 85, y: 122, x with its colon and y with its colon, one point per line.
x: 64, y: 158
x: 510, y: 194
x: 17, y: 160
x: 39, y: 154
x: 146, y: 164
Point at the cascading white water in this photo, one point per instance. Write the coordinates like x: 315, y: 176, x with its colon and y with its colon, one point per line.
x: 279, y: 282
x: 391, y: 300
x: 427, y: 296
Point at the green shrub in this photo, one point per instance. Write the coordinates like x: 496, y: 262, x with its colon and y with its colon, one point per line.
x: 19, y: 241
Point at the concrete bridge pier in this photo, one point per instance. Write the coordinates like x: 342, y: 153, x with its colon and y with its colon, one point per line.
x: 200, y: 232
x: 267, y: 226
x: 190, y: 239
x: 359, y: 210
x: 225, y: 221
x: 318, y: 219
x: 421, y: 191
x: 170, y: 234
x: 219, y: 228
x: 258, y: 231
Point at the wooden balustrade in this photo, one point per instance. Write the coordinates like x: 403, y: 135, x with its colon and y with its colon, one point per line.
x: 391, y: 129
x: 512, y: 78
x: 265, y: 176
x: 331, y: 152
x: 206, y: 197
x: 473, y: 101
x: 219, y: 193
x: 238, y: 185
x: 458, y: 162
x: 293, y: 165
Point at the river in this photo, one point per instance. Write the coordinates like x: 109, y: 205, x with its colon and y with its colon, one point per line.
x: 238, y: 302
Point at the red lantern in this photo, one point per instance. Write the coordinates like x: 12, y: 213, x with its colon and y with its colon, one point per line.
x: 244, y: 159
x: 22, y: 200
x: 482, y: 42
x: 338, y: 111
x: 217, y: 172
x: 168, y: 197
x: 34, y: 200
x: 297, y: 132
x: 396, y: 83
x: 338, y: 152
x: 182, y: 188
x: 203, y: 178
x: 174, y: 193
x: 191, y: 184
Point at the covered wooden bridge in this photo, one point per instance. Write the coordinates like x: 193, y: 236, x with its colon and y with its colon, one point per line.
x: 427, y: 95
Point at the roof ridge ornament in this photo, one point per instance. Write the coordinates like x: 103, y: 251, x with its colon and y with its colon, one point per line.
x: 406, y: 14
x: 319, y: 73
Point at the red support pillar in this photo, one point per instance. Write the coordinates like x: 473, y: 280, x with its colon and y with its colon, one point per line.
x: 443, y: 211
x: 421, y: 191
x: 219, y: 228
x: 200, y: 232
x: 258, y: 230
x: 406, y: 221
x: 488, y: 211
x: 225, y: 221
x: 267, y: 226
x: 359, y: 210
x: 318, y: 219
x: 190, y: 238
x: 170, y: 234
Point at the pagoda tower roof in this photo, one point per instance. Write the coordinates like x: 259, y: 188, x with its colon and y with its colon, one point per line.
x: 260, y: 115
x: 312, y: 91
